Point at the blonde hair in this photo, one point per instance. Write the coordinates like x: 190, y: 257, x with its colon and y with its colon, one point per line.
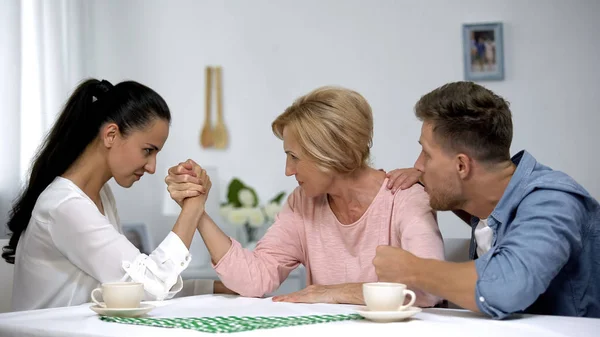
x: 334, y: 127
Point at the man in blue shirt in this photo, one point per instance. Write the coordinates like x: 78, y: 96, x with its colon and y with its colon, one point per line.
x: 536, y: 232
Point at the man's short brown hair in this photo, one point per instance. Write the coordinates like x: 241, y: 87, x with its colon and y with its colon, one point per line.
x: 469, y: 118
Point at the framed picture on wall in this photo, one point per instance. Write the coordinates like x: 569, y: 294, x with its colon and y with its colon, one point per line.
x: 137, y: 233
x: 483, y: 50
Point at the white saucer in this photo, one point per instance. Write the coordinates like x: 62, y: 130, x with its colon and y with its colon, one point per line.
x: 387, y: 316
x: 123, y: 312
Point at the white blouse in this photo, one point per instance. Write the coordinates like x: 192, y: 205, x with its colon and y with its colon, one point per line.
x: 69, y: 248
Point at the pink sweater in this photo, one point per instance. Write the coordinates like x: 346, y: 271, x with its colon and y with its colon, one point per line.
x: 307, y: 231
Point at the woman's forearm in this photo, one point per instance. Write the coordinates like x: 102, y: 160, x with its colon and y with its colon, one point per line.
x: 184, y: 226
x: 216, y: 241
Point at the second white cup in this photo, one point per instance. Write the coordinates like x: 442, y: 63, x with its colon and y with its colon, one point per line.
x: 119, y: 294
x: 385, y: 296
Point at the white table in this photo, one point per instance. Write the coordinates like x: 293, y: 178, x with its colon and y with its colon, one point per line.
x: 81, y: 321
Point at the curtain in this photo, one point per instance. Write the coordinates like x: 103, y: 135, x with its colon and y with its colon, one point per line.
x: 10, y: 84
x: 41, y: 62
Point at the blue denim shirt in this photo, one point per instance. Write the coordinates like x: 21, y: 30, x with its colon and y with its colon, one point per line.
x: 545, y: 255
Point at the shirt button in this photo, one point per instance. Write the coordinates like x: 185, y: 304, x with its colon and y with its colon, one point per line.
x: 481, y: 299
x: 184, y: 263
x: 187, y: 258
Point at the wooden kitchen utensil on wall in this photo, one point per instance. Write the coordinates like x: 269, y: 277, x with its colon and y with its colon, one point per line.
x: 220, y: 132
x: 206, y: 135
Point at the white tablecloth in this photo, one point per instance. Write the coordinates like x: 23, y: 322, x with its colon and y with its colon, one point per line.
x: 81, y: 321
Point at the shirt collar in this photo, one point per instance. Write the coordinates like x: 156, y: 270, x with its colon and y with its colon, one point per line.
x: 511, y: 198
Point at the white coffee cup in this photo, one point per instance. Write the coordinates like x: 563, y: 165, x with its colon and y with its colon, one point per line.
x: 119, y: 294
x: 384, y: 296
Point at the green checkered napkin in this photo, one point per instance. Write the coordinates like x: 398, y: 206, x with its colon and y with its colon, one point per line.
x: 229, y: 324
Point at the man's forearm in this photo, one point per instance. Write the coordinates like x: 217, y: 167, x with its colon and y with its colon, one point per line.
x: 454, y: 282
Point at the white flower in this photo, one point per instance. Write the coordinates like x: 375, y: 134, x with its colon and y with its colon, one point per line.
x: 237, y: 217
x: 271, y: 210
x: 246, y: 197
x: 256, y: 216
x: 225, y: 210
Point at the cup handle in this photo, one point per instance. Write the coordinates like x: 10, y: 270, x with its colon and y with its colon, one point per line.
x: 101, y: 304
x: 413, y: 298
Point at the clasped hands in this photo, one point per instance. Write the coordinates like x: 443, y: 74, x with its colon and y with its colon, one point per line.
x: 188, y: 180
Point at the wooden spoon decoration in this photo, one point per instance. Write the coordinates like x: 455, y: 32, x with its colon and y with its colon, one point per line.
x: 220, y: 132
x: 206, y: 135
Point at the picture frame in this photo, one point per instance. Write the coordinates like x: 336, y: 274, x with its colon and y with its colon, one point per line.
x: 483, y: 49
x: 139, y: 236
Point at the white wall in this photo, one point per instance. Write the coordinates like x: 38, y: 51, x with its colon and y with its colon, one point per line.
x: 391, y: 51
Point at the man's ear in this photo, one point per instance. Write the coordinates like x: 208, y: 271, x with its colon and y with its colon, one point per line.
x: 110, y: 132
x: 464, y: 165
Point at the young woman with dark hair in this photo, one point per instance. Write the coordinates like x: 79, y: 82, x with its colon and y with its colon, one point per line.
x: 66, y: 236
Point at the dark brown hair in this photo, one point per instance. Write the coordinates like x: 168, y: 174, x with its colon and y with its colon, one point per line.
x: 469, y: 118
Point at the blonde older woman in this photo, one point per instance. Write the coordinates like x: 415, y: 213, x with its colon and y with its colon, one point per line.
x: 334, y: 221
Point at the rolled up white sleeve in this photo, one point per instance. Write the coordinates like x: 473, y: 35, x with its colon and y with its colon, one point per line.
x: 92, y: 243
